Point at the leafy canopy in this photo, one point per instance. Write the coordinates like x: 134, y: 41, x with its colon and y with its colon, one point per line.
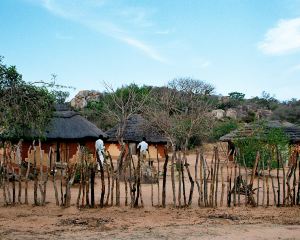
x: 23, y: 105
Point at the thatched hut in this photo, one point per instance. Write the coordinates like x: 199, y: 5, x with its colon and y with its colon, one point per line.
x: 65, y: 131
x: 135, y: 129
x: 292, y: 132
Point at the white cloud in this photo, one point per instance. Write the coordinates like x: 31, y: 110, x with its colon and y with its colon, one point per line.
x: 283, y: 38
x: 73, y: 10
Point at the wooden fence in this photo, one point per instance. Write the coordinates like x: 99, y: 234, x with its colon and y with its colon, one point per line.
x: 179, y: 180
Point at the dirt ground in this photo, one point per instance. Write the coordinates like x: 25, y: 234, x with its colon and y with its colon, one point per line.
x: 51, y: 222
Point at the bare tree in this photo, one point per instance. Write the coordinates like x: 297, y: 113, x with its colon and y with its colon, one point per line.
x: 181, y: 110
x: 120, y: 105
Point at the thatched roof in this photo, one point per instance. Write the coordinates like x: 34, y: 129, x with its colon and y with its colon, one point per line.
x: 66, y: 124
x: 136, y: 128
x: 69, y: 125
x: 291, y: 130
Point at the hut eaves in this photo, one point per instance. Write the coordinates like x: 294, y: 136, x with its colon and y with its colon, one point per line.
x: 136, y: 128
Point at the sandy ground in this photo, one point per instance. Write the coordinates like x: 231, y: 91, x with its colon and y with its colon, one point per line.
x: 51, y: 222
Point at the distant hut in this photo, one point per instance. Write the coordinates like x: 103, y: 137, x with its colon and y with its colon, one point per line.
x: 292, y: 132
x: 135, y: 129
x: 64, y: 132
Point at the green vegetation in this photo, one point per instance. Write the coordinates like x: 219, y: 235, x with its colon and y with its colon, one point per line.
x: 221, y: 128
x: 264, y: 140
x: 23, y: 105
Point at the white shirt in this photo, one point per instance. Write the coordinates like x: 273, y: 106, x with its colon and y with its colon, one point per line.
x: 143, y: 146
x: 99, y: 145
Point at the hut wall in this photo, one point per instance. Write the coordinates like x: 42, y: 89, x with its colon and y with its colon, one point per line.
x: 68, y: 150
x: 114, y: 150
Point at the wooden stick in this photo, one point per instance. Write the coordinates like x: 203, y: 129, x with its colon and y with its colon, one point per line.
x: 191, y: 181
x: 19, y: 160
x: 179, y: 178
x: 141, y: 192
x: 284, y: 178
x: 278, y: 181
x: 212, y: 180
x: 119, y: 172
x: 41, y: 172
x: 80, y: 186
x: 217, y: 177
x: 223, y: 187
x: 239, y: 189
x: 267, y: 182
x: 108, y: 171
x: 254, y: 168
x: 196, y: 178
x: 205, y: 181
x: 173, y: 178
x: 151, y: 169
x: 112, y: 179
x: 92, y: 180
x: 294, y: 183
x: 158, y: 172
x: 35, y: 175
x: 246, y: 179
x: 183, y: 182
x: 138, y: 181
x: 258, y: 185
x: 201, y: 180
x: 235, y: 183
x: 132, y: 190
x: 298, y: 192
x: 263, y: 184
x: 125, y: 180
x: 165, y: 179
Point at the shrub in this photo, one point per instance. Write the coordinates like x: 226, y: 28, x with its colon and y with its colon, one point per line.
x: 223, y: 128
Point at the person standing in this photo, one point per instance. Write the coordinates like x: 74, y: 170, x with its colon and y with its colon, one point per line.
x: 143, y: 149
x: 100, y: 148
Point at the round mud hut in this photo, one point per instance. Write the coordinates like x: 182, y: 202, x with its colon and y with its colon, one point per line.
x: 291, y: 131
x: 136, y: 127
x: 64, y: 132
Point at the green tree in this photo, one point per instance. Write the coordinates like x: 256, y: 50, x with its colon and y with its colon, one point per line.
x: 236, y: 96
x: 23, y: 105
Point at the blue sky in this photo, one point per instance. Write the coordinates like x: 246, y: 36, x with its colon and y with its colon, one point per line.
x: 237, y: 45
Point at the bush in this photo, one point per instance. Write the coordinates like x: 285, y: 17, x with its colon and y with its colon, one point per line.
x: 265, y: 141
x: 223, y: 128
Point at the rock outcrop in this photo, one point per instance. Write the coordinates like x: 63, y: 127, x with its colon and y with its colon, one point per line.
x: 218, y: 114
x: 83, y: 97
